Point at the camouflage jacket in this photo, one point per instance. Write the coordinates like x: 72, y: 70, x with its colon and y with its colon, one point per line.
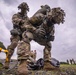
x: 18, y: 20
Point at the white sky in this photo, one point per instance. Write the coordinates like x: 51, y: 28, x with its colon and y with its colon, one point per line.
x: 64, y: 46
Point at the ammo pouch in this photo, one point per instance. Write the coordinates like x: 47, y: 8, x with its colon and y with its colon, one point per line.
x: 14, y: 32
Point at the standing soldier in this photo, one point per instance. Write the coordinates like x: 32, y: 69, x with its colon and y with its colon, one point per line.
x: 18, y: 20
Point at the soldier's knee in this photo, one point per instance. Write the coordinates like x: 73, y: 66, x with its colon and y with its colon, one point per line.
x: 12, y: 46
x: 23, y: 49
x: 15, y: 43
x: 27, y: 36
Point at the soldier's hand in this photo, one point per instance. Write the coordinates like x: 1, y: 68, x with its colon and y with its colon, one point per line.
x: 21, y: 21
x: 51, y: 38
x: 41, y: 32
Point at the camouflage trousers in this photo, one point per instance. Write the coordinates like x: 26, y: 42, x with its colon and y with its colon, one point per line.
x: 23, y: 48
x: 47, y: 52
x: 13, y: 45
x: 23, y: 51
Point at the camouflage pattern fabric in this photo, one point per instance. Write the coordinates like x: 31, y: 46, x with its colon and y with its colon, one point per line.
x: 18, y: 20
x: 44, y: 33
x: 23, y: 50
x: 39, y: 28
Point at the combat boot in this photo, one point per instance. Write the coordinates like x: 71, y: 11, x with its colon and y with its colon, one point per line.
x: 47, y: 65
x: 8, y: 56
x: 47, y: 58
x: 7, y: 62
x: 22, y: 68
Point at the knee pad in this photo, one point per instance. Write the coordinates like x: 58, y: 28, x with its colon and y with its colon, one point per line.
x: 27, y: 36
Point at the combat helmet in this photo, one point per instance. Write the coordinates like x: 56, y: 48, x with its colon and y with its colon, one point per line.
x: 46, y: 7
x: 23, y: 5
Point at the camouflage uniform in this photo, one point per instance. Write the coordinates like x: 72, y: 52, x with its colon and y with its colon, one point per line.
x: 37, y: 20
x: 40, y: 30
x: 37, y: 33
x: 16, y: 33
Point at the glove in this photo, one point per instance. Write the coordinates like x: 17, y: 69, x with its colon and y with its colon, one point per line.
x: 41, y: 32
x: 51, y: 38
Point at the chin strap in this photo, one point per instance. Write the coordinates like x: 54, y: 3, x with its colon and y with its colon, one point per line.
x: 5, y: 51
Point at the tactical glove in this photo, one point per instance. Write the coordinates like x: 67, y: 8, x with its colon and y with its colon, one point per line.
x: 41, y: 32
x: 50, y: 38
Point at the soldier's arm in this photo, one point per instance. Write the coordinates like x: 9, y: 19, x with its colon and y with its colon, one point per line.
x: 51, y: 37
x: 52, y: 31
x: 16, y: 20
x: 29, y: 27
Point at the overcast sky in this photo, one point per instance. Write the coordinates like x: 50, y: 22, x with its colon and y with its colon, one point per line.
x: 64, y: 46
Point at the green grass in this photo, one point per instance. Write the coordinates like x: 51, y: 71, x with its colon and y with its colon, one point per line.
x: 1, y: 65
x: 65, y: 69
x: 68, y: 69
x: 68, y: 66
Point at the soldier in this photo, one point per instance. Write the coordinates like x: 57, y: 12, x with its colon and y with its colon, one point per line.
x: 23, y: 48
x: 18, y: 20
x: 37, y: 34
x: 44, y: 34
x: 41, y: 31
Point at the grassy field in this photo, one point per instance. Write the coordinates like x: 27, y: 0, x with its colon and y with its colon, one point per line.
x: 64, y: 69
x: 1, y: 65
x: 66, y: 66
x: 67, y: 69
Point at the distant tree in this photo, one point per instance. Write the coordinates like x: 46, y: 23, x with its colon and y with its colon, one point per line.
x: 67, y: 61
x: 1, y: 64
x: 70, y: 61
x: 73, y: 61
x: 63, y: 62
